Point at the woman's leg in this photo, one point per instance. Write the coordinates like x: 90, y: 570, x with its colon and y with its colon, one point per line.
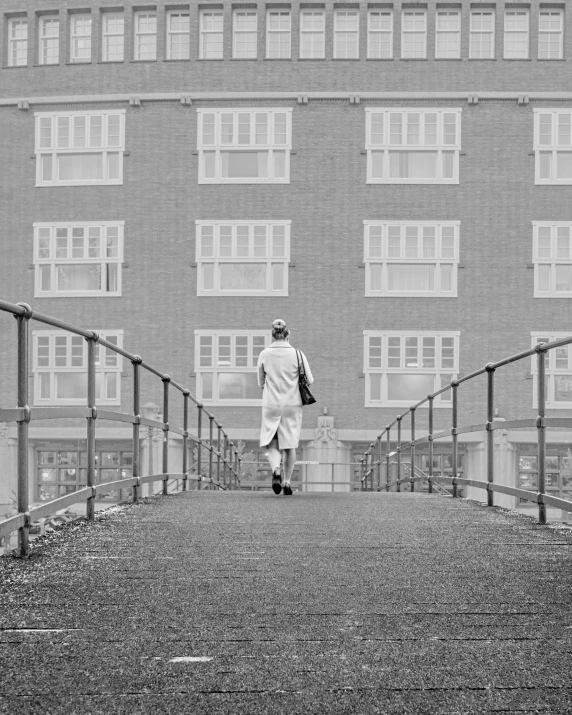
x: 273, y: 454
x: 289, y: 462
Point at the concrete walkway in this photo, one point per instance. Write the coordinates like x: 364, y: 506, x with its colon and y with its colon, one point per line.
x: 249, y: 603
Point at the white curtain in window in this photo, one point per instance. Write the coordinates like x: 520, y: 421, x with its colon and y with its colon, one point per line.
x: 410, y: 277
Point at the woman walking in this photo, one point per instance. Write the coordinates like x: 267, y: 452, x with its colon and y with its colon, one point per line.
x: 281, y: 403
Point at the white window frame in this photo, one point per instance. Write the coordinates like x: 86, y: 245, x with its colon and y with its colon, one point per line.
x: 218, y: 147
x: 78, y: 39
x: 171, y: 34
x: 405, y: 32
x: 448, y: 33
x: 271, y: 53
x: 204, y: 33
x: 560, y: 32
x: 46, y: 40
x: 384, y: 260
x: 138, y: 35
x: 312, y: 32
x: 384, y: 148
x: 47, y: 124
x: 106, y: 35
x: 479, y: 33
x: 39, y: 366
x: 525, y: 32
x: 372, y: 32
x: 442, y: 400
x: 215, y: 369
x: 17, y: 45
x: 551, y: 151
x: 552, y: 369
x: 553, y: 229
x: 250, y: 13
x: 216, y: 260
x: 46, y: 233
x: 339, y: 32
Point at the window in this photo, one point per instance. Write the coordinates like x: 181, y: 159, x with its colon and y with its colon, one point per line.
x: 78, y: 259
x: 145, y: 36
x: 346, y: 34
x: 553, y: 146
x: 49, y: 31
x: 402, y: 368
x: 113, y: 37
x: 178, y: 36
x: 211, y: 41
x: 225, y: 364
x: 245, y: 35
x: 278, y: 34
x: 418, y: 146
x: 312, y: 34
x: 552, y: 256
x: 482, y: 42
x: 558, y: 368
x: 413, y: 34
x: 448, y: 34
x: 516, y: 34
x: 80, y: 148
x: 60, y: 368
x: 411, y: 259
x: 80, y: 38
x: 243, y: 257
x: 18, y: 42
x: 550, y: 35
x: 380, y: 34
x: 245, y: 146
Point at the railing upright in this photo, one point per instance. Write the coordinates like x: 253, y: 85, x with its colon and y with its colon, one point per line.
x: 236, y: 468
x: 379, y: 448
x: 23, y: 422
x: 91, y: 348
x: 541, y: 432
x: 219, y: 427
x: 211, y: 442
x: 136, y: 459
x: 199, y: 443
x: 430, y: 440
x: 454, y: 419
x: 225, y: 462
x: 399, y: 453
x: 490, y: 433
x: 166, y: 382
x: 387, y: 458
x: 186, y: 395
x: 412, y: 449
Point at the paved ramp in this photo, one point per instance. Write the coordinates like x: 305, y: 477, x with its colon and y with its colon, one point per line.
x: 318, y: 603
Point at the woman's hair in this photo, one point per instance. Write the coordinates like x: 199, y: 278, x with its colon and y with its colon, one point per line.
x: 279, y: 330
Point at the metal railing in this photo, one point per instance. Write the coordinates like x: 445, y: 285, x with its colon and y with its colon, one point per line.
x: 374, y: 456
x: 220, y: 448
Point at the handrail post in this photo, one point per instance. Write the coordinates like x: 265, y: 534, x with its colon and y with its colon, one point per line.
x: 23, y: 496
x: 454, y: 419
x: 91, y: 348
x: 430, y: 440
x: 399, y: 453
x: 225, y: 462
x: 388, y: 450
x: 136, y: 413
x: 371, y: 466
x: 199, y: 443
x: 413, y: 449
x: 379, y: 463
x: 490, y: 432
x: 362, y: 474
x: 166, y: 380
x: 211, y: 420
x: 236, y: 468
x: 219, y: 427
x: 186, y: 395
x: 541, y: 432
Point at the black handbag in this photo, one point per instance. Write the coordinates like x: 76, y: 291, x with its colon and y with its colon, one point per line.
x: 305, y: 393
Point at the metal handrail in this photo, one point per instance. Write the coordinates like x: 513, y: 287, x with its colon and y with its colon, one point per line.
x: 226, y: 455
x: 541, y: 423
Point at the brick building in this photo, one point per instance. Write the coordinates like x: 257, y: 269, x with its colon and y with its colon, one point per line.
x: 392, y: 179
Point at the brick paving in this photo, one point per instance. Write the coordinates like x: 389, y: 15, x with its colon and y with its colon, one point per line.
x: 317, y: 603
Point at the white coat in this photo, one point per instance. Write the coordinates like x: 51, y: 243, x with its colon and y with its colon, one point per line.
x: 281, y: 401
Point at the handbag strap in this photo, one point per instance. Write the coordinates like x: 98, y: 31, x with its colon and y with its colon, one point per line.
x: 301, y: 369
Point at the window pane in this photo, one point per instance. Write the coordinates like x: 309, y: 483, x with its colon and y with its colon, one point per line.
x: 80, y: 167
x: 238, y: 386
x: 564, y: 278
x: 71, y: 385
x: 446, y: 277
x: 44, y: 386
x: 209, y: 163
x: 45, y: 278
x: 562, y: 388
x: 375, y: 276
x: 208, y: 276
x: 277, y: 276
x: 112, y: 271
x: 564, y: 165
x: 410, y: 277
x: 377, y: 164
x: 280, y: 164
x: 412, y: 165
x: 543, y: 278
x: 79, y: 277
x: 207, y: 386
x: 243, y: 276
x: 244, y: 165
x: 375, y: 387
x: 409, y: 387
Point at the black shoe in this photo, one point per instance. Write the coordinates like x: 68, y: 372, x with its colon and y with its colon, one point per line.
x: 276, y: 481
x: 287, y: 490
